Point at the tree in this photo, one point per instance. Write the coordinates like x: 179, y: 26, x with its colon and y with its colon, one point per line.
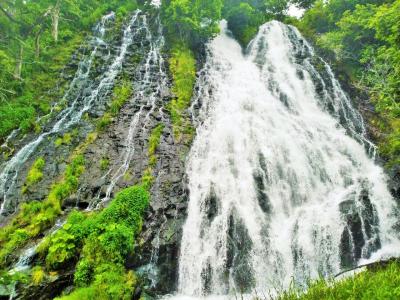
x: 191, y: 21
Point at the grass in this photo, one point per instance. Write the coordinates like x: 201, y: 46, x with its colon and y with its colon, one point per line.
x: 380, y: 283
x: 183, y: 69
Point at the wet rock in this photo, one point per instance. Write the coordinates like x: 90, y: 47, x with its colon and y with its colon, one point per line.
x: 239, y: 249
x: 48, y: 289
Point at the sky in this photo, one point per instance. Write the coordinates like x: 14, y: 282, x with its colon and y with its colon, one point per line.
x: 295, y: 11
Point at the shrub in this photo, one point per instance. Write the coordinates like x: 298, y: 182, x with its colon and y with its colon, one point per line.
x: 107, y: 237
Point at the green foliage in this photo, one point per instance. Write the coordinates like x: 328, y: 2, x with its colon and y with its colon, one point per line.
x: 245, y: 17
x: 183, y: 69
x: 191, y: 21
x: 106, y: 235
x: 9, y: 279
x: 104, y: 122
x: 66, y: 140
x: 243, y: 21
x: 379, y: 284
x: 104, y: 163
x: 37, y: 275
x: 154, y: 141
x: 103, y: 240
x: 35, y: 174
x: 110, y: 282
x: 121, y: 95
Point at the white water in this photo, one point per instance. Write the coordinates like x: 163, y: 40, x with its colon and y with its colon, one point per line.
x: 271, y: 170
x: 78, y: 106
x: 151, y: 85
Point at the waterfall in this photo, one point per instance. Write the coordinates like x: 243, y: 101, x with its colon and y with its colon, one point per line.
x: 151, y: 85
x: 283, y: 184
x: 81, y: 96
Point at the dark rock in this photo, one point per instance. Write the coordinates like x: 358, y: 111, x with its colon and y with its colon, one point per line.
x: 46, y: 290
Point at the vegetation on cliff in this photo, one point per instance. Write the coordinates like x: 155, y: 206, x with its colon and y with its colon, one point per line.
x: 37, y: 39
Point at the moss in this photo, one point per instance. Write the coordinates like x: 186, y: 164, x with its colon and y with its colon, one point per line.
x: 380, y: 284
x: 104, y: 164
x: 154, y: 141
x: 121, y: 95
x: 104, y: 122
x: 183, y: 69
x: 35, y: 174
x: 37, y: 275
x: 66, y: 140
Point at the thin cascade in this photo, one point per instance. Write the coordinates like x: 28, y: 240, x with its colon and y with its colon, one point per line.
x: 282, y: 184
x: 78, y: 102
x: 152, y: 83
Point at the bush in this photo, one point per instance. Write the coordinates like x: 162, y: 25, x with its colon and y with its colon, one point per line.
x: 105, y: 239
x: 35, y: 174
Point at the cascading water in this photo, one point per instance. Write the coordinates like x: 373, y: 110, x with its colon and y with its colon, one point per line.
x: 150, y: 88
x: 80, y: 97
x: 281, y: 185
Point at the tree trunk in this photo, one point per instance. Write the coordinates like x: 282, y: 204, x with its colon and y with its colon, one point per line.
x: 37, y: 44
x: 55, y: 17
x: 19, y: 61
